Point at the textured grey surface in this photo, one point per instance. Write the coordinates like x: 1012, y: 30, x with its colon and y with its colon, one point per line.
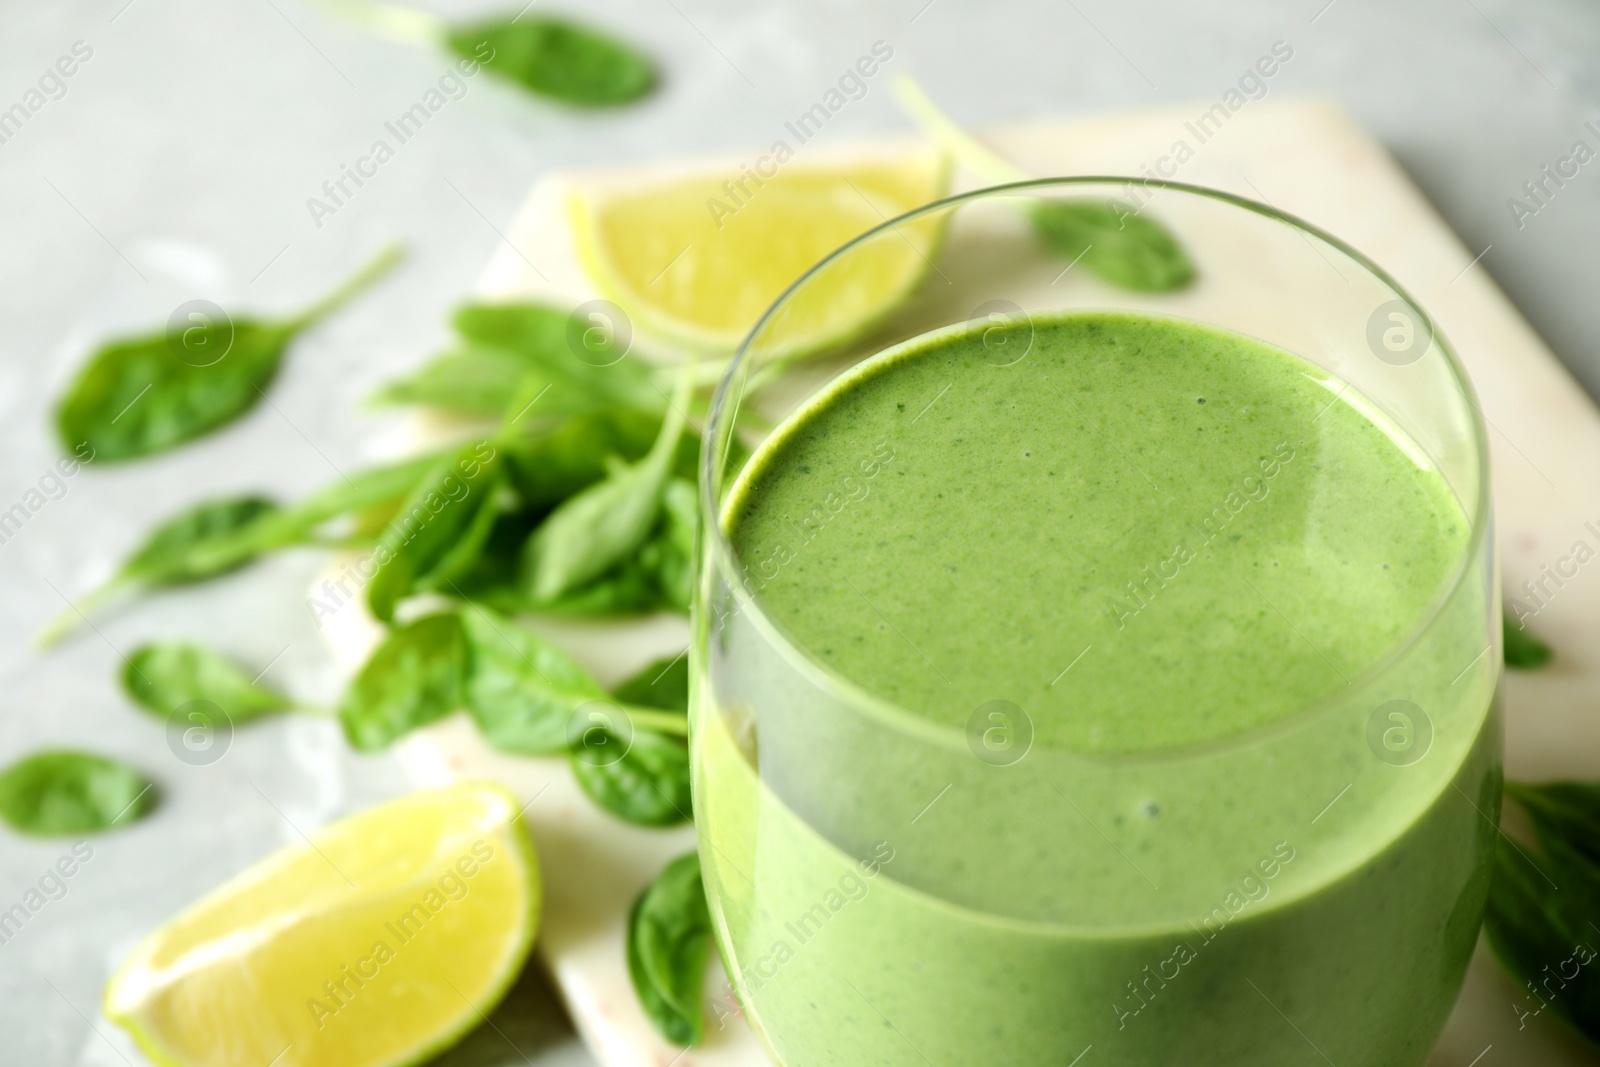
x: 178, y: 164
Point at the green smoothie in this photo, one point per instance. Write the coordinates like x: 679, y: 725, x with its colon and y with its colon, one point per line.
x: 1083, y: 710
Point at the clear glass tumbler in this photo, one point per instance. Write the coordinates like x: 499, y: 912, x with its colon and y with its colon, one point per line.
x: 978, y: 883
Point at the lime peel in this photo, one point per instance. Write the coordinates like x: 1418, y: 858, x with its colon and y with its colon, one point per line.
x: 378, y: 942
x: 698, y: 265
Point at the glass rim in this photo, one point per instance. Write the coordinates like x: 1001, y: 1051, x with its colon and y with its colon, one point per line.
x: 716, y: 551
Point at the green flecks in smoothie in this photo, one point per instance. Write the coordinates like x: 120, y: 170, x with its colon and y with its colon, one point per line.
x: 1146, y: 532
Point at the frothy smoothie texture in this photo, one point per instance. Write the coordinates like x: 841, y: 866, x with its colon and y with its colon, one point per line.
x: 1082, y: 703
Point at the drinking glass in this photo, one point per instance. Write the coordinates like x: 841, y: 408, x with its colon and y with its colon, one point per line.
x: 888, y: 890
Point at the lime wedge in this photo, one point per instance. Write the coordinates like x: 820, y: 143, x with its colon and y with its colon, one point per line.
x: 379, y: 941
x: 697, y: 259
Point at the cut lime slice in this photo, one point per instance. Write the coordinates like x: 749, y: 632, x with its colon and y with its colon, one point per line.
x: 698, y: 259
x: 379, y: 941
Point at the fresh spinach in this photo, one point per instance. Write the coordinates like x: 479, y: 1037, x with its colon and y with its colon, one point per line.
x: 557, y: 58
x: 61, y: 791
x: 1566, y: 815
x: 136, y: 397
x: 201, y: 542
x: 647, y: 785
x: 505, y: 347
x: 491, y: 579
x: 549, y: 466
x: 663, y: 684
x: 1524, y: 650
x: 473, y: 381
x: 524, y: 693
x: 439, y: 529
x: 538, y: 332
x: 521, y: 689
x: 628, y: 589
x: 1115, y: 241
x: 668, y: 947
x: 1544, y: 903
x: 547, y: 340
x: 659, y: 575
x: 669, y: 556
x: 217, y: 536
x: 377, y: 489
x: 413, y: 678
x: 459, y: 521
x: 143, y: 395
x: 163, y: 677
x: 596, y: 529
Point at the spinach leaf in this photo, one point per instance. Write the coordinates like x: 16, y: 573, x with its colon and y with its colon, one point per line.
x: 550, y: 466
x: 164, y: 677
x: 669, y: 557
x: 508, y: 346
x: 647, y: 785
x: 491, y: 578
x: 1524, y: 650
x: 669, y: 1022
x: 598, y: 528
x: 1542, y: 907
x: 473, y: 381
x: 143, y: 395
x: 413, y: 678
x: 201, y: 542
x: 659, y: 575
x: 558, y: 59
x: 1564, y: 814
x: 1114, y: 240
x: 351, y: 496
x: 668, y: 945
x: 629, y: 589
x: 217, y: 536
x: 1535, y: 931
x: 521, y: 689
x: 60, y: 791
x: 548, y: 341
x: 1123, y: 247
x: 439, y: 528
x: 137, y: 397
x: 662, y: 684
x: 536, y: 331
